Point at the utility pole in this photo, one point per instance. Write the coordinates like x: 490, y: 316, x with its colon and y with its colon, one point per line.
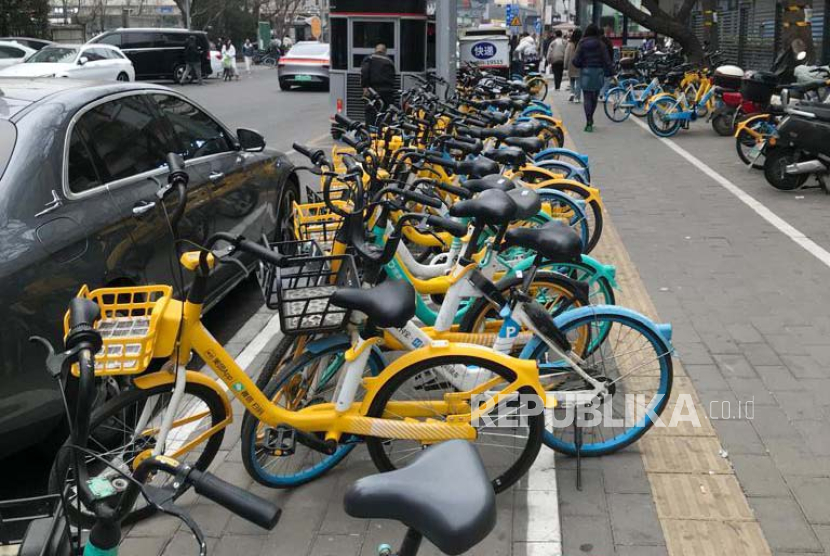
x: 187, y: 14
x: 446, y: 16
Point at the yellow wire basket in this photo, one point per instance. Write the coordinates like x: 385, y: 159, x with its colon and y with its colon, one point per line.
x: 128, y: 325
x: 316, y: 222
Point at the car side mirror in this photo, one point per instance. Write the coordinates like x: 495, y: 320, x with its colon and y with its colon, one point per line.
x: 250, y: 140
x: 83, y: 60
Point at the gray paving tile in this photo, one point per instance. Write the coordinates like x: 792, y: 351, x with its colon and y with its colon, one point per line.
x: 590, y: 501
x: 738, y: 437
x: 295, y: 532
x: 823, y: 534
x: 784, y: 524
x: 641, y: 550
x: 184, y: 543
x: 337, y: 545
x: 706, y: 377
x: 804, y: 366
x: 624, y: 473
x: 240, y: 545
x: 586, y: 536
x: 634, y: 519
x: 759, y: 475
x: 778, y: 378
x: 760, y: 354
x: 536, y: 517
x: 734, y: 365
x: 813, y: 494
x: 751, y: 390
x: 143, y: 546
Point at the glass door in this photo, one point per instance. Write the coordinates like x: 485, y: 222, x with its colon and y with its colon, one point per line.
x: 367, y: 33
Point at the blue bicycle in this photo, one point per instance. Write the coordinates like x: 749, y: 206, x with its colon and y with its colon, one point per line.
x: 631, y: 97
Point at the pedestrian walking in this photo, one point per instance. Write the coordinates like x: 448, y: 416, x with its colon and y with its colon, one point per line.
x: 556, y: 58
x: 594, y: 65
x: 527, y: 52
x: 248, y: 54
x: 573, y: 71
x: 378, y: 72
x: 193, y: 60
x: 229, y: 54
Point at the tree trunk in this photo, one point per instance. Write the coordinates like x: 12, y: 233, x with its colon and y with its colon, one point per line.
x: 797, y: 33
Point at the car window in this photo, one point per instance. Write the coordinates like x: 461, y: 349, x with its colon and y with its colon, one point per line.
x: 126, y: 136
x: 53, y: 55
x: 197, y: 134
x: 139, y: 40
x: 95, y: 54
x: 7, y: 52
x: 114, y: 39
x: 175, y: 39
x: 115, y: 54
x: 82, y: 172
x: 316, y: 49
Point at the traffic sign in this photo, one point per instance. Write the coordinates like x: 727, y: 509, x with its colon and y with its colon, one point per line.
x: 513, y: 18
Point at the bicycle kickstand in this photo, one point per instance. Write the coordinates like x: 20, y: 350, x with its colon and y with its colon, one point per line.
x: 578, y: 446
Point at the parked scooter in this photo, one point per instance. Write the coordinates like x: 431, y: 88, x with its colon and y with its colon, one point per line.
x: 801, y: 149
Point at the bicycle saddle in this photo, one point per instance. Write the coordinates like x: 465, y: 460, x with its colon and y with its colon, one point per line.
x: 493, y: 207
x: 477, y: 168
x: 555, y: 241
x: 454, y: 511
x: 530, y: 145
x: 528, y: 203
x: 498, y: 117
x: 390, y: 304
x: 511, y: 156
x: 494, y: 181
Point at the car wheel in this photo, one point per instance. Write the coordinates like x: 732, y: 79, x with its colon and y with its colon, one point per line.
x: 178, y: 73
x: 285, y: 211
x: 284, y: 85
x: 123, y: 77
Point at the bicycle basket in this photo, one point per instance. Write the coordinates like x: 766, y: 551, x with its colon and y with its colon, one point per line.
x: 16, y: 515
x: 128, y: 327
x: 301, y: 292
x: 316, y: 222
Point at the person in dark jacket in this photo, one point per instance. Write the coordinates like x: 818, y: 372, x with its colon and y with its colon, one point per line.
x: 193, y: 60
x: 610, y: 46
x: 594, y: 65
x: 378, y: 72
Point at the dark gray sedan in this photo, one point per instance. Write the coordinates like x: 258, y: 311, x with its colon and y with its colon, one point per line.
x: 80, y: 165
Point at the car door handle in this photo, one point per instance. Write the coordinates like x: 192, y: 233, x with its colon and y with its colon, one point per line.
x: 143, y: 207
x: 216, y: 176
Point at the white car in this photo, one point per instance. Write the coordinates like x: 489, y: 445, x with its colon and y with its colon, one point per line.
x: 99, y: 62
x: 12, y: 53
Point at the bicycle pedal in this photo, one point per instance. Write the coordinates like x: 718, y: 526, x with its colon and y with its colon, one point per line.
x: 281, y: 441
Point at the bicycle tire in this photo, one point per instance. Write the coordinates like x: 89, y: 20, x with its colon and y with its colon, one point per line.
x: 744, y: 142
x: 640, y: 110
x: 501, y: 481
x: 326, y: 463
x: 613, y: 99
x: 541, y: 85
x: 660, y: 107
x: 112, y: 411
x: 662, y: 392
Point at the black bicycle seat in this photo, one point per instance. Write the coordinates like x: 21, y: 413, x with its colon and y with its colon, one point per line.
x: 498, y: 117
x: 511, y: 156
x: 477, y: 168
x: 555, y: 241
x: 530, y: 145
x: 493, y: 181
x: 390, y: 304
x: 453, y: 510
x: 527, y: 201
x: 493, y: 207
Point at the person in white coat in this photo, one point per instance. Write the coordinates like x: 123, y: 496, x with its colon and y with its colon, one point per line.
x: 229, y: 50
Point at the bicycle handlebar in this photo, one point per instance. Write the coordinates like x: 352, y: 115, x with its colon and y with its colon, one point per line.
x: 246, y: 505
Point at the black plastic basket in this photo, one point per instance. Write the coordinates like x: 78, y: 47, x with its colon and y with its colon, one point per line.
x: 16, y: 515
x: 301, y: 292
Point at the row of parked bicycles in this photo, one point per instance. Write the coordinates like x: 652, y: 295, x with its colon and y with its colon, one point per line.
x: 779, y: 119
x: 439, y: 305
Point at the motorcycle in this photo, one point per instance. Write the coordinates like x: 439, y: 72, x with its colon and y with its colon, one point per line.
x: 801, y: 149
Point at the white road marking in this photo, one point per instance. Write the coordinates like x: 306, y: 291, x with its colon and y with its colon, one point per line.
x: 760, y: 209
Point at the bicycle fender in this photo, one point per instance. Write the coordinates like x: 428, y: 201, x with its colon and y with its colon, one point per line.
x: 607, y: 271
x: 747, y: 121
x: 663, y: 331
x: 160, y: 378
x: 522, y: 367
x: 553, y: 151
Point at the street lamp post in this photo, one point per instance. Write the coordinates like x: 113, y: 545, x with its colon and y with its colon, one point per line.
x: 446, y: 16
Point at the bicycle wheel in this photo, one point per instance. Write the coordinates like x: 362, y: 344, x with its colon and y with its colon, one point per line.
x: 658, y: 117
x: 538, y: 88
x: 276, y: 456
x: 286, y: 352
x: 600, y: 290
x: 114, y: 438
x: 507, y: 451
x: 615, y: 99
x: 637, y: 362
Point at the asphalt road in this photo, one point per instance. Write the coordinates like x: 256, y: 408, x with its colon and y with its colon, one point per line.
x: 255, y: 102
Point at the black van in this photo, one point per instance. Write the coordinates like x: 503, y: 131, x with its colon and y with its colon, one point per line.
x: 157, y: 53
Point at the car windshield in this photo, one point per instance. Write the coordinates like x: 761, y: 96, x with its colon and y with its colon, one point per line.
x: 316, y: 49
x: 53, y: 56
